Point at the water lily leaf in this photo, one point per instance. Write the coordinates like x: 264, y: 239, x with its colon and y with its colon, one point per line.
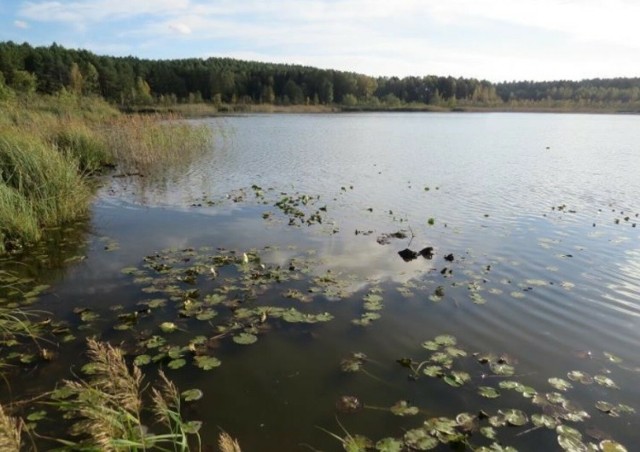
x: 488, y: 392
x: 502, y: 369
x: 356, y: 443
x: 389, y: 445
x: 402, y: 408
x: 605, y: 381
x: 155, y: 342
x: 446, y: 340
x: 142, y: 360
x: 431, y: 345
x: 245, y: 338
x: 433, y: 371
x: 555, y: 397
x: 366, y: 319
x: 176, y: 363
x: 442, y: 425
x: 510, y: 384
x: 560, y: 384
x: 37, y: 416
x: 192, y: 427
x: 457, y: 379
x: 613, y: 358
x: 348, y: 404
x: 129, y: 270
x: 622, y: 408
x: 611, y: 446
x: 89, y: 316
x: 168, y: 327
x: 605, y: 407
x: 206, y: 362
x: 191, y: 395
x: 516, y: 418
x: 495, y: 447
x: 497, y: 421
x: 582, y: 377
x: 455, y: 352
x: 542, y: 420
x: 442, y: 359
x: 419, y: 439
x: 488, y: 432
x: 570, y: 439
x: 353, y: 363
x: 206, y: 314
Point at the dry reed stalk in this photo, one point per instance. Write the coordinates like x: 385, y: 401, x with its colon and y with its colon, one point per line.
x: 227, y: 444
x: 10, y: 432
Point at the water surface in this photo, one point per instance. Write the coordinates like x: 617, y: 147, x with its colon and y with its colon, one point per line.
x: 538, y: 211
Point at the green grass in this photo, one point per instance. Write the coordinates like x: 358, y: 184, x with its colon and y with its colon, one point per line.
x: 39, y: 187
x: 49, y: 145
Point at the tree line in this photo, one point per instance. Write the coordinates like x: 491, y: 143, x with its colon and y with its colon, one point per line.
x: 135, y: 81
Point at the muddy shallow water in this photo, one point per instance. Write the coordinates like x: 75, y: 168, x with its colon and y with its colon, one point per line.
x: 276, y: 248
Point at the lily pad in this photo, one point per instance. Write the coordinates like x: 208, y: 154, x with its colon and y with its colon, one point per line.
x: 245, y: 338
x: 516, y: 418
x: 389, y: 445
x: 611, y: 446
x: 510, y: 384
x: 457, y: 378
x: 542, y: 420
x: 605, y: 381
x: 168, y: 327
x: 605, y: 407
x: 446, y: 340
x: 419, y: 439
x: 488, y: 432
x: 206, y: 362
x: 191, y: 395
x: 488, y: 392
x: 402, y: 408
x: 560, y: 384
x: 613, y: 358
x: 502, y: 369
x: 582, y: 377
x: 433, y: 371
x: 142, y: 360
x: 431, y: 345
x: 176, y: 363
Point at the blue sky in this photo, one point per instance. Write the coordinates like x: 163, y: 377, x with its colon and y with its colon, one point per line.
x: 492, y: 39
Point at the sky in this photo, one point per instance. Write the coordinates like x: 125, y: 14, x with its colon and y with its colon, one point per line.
x: 497, y: 40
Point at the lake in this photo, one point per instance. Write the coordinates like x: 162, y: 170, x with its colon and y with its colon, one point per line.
x: 277, y: 254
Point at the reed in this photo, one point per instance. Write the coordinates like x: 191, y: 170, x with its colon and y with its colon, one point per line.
x: 10, y: 432
x: 107, y: 408
x: 144, y: 142
x: 50, y: 144
x: 37, y: 178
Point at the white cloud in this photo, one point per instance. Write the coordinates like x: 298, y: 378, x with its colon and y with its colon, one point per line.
x: 98, y: 10
x: 21, y: 24
x: 180, y: 28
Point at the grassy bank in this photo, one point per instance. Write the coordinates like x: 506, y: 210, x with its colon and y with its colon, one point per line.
x: 51, y: 145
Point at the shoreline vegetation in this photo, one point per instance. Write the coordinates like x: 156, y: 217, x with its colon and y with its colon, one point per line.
x: 51, y: 146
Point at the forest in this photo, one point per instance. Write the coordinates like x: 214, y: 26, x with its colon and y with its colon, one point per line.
x: 131, y: 81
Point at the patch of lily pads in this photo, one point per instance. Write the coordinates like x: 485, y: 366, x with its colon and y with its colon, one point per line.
x: 485, y: 429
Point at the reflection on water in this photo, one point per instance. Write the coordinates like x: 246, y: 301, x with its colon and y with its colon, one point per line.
x: 538, y: 212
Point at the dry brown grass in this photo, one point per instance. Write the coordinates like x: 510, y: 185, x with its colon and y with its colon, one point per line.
x: 10, y: 432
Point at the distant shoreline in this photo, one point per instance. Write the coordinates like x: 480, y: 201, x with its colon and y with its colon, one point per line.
x: 203, y: 110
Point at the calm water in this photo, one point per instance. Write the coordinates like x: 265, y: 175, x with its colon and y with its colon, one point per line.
x: 538, y: 211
